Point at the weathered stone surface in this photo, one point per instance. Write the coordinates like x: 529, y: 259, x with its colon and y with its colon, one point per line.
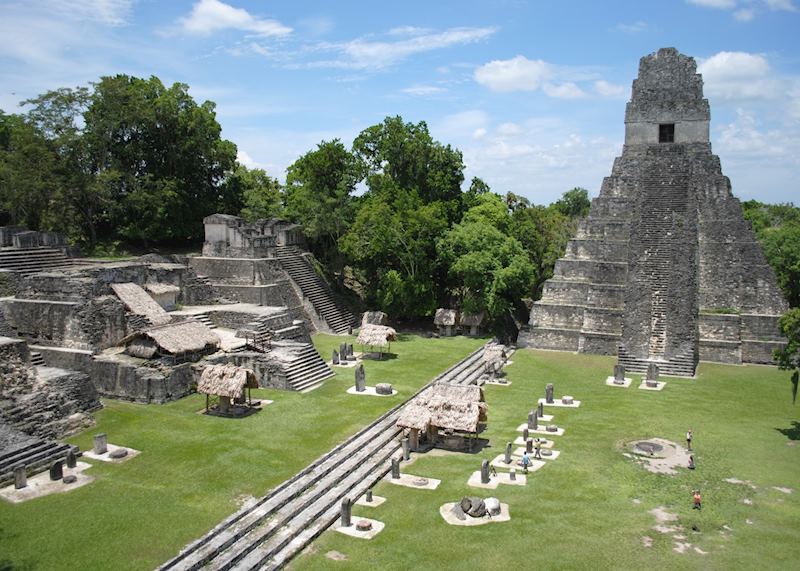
x: 485, y: 472
x: 383, y: 388
x: 118, y: 453
x: 100, y: 445
x: 567, y: 399
x: 56, y: 470
x: 664, y: 242
x: 345, y: 512
x: 552, y: 428
x: 335, y: 357
x: 548, y: 392
x: 492, y: 506
x: 70, y: 479
x: 363, y: 525
x: 361, y: 379
x: 404, y: 443
x: 395, y: 468
x: 20, y: 477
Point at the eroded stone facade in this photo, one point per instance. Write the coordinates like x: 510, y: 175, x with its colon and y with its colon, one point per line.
x: 665, y: 268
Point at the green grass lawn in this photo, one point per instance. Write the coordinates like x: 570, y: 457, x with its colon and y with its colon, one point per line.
x: 589, y: 508
x: 195, y: 469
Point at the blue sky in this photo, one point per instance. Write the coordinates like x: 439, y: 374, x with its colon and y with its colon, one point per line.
x: 532, y: 92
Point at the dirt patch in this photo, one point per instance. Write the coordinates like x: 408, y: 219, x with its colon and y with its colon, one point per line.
x: 647, y: 541
x: 739, y: 482
x: 658, y: 455
x: 336, y: 556
x: 681, y: 547
x: 782, y: 489
x: 662, y: 515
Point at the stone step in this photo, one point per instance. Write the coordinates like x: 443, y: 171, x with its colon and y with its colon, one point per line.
x: 282, y: 523
x: 37, y: 360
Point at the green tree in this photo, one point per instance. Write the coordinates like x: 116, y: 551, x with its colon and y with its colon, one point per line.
x: 574, y: 203
x: 260, y: 193
x: 489, y: 269
x: 399, y: 155
x: 788, y: 358
x: 160, y: 155
x: 319, y: 195
x: 392, y: 247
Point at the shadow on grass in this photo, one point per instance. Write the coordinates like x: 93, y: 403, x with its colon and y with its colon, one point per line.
x: 379, y: 356
x: 8, y: 564
x: 792, y: 433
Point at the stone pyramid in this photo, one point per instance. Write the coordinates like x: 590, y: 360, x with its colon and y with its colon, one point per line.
x: 665, y: 268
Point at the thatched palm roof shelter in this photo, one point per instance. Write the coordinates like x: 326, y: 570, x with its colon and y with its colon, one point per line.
x: 374, y: 318
x: 173, y: 339
x: 459, y: 408
x: 137, y: 301
x: 376, y: 336
x: 445, y: 317
x: 226, y: 380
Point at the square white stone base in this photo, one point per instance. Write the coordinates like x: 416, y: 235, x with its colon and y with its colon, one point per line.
x: 544, y: 443
x: 446, y: 511
x: 106, y: 458
x: 408, y: 481
x: 376, y: 501
x: 494, y: 481
x: 369, y: 392
x: 377, y: 527
x: 41, y: 485
x: 557, y: 402
x: 556, y: 453
x: 659, y: 387
x: 610, y: 382
x: 516, y: 463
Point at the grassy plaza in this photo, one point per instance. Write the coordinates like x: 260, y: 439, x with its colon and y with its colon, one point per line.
x: 588, y: 508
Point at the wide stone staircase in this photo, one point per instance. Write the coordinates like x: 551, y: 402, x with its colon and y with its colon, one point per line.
x: 306, y: 370
x: 267, y: 534
x: 31, y: 260
x: 657, y: 233
x: 338, y: 318
x: 36, y: 455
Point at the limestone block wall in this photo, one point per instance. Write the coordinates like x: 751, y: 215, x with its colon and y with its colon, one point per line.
x: 126, y: 381
x: 269, y: 372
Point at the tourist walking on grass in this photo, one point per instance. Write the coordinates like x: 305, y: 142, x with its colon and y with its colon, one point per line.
x: 538, y: 449
x: 691, y: 462
x: 689, y: 439
x: 697, y: 500
x: 525, y: 461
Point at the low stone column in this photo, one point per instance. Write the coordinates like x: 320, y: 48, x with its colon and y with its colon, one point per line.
x: 56, y: 470
x: 548, y: 393
x: 540, y: 409
x: 361, y: 379
x: 72, y: 459
x: 652, y: 372
x: 368, y: 497
x: 406, y: 448
x: 20, y: 477
x: 335, y: 357
x: 100, y: 443
x: 529, y: 445
x: 507, y: 458
x: 413, y: 438
x: 619, y: 372
x: 512, y: 474
x: 346, y: 510
x: 535, y: 421
x: 531, y: 420
x: 395, y: 469
x: 485, y: 472
x: 526, y: 433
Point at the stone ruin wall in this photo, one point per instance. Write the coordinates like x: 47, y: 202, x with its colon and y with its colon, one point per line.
x: 595, y: 300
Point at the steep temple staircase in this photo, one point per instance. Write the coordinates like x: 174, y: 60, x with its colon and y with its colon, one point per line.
x: 314, y: 288
x: 660, y: 256
x: 32, y: 260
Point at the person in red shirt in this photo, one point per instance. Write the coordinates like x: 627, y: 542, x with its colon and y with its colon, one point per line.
x: 697, y: 500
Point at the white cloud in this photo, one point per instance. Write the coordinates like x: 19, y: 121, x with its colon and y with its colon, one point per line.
x: 744, y: 15
x: 516, y: 74
x: 108, y: 12
x: 409, y: 31
x: 607, y: 89
x: 247, y: 160
x: 566, y: 90
x: 210, y: 16
x: 479, y: 133
x: 634, y: 28
x: 739, y: 75
x: 461, y: 124
x: 365, y: 53
x: 746, y: 10
x: 719, y: 4
x: 423, y: 90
